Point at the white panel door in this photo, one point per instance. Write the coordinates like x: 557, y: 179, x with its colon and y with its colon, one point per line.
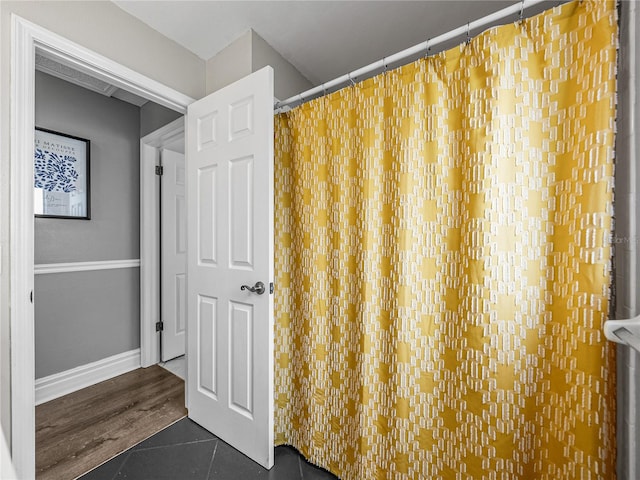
x: 230, y: 245
x: 174, y: 254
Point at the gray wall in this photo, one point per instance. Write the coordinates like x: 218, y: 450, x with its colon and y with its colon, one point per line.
x: 84, y: 317
x: 230, y: 64
x: 248, y: 54
x: 154, y: 116
x: 288, y: 81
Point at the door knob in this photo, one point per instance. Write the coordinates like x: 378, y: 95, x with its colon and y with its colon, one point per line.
x: 257, y: 288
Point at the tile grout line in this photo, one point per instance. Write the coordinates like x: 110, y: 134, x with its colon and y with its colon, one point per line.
x: 121, y: 454
x: 300, y: 466
x: 122, y: 464
x: 193, y: 442
x: 215, y: 449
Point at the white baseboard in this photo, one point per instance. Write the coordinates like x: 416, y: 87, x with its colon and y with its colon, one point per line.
x: 63, y: 383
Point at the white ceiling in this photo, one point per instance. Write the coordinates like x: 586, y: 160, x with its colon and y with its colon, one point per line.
x: 322, y: 39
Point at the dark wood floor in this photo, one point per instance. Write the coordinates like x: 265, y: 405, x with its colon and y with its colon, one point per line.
x: 77, y: 432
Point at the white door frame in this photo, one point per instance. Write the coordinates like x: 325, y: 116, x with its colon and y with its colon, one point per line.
x: 26, y: 37
x: 150, y: 146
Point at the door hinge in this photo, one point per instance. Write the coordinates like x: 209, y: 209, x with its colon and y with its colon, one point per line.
x: 271, y: 288
x: 159, y: 326
x: 159, y: 170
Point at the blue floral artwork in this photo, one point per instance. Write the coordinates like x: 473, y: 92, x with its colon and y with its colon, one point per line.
x: 60, y: 175
x: 54, y: 172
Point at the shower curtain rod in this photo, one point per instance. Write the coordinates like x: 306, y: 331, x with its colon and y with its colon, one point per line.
x: 516, y: 8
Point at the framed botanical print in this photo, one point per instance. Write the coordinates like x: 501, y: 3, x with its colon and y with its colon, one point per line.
x: 61, y: 175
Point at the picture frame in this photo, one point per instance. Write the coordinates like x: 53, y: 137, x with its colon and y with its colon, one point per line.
x: 61, y: 175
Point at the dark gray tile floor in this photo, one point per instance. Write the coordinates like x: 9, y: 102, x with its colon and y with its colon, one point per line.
x: 186, y: 451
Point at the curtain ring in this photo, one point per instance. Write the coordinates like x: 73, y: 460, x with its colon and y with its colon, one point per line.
x: 323, y: 99
x: 427, y: 51
x: 384, y: 63
x: 521, y: 11
x: 468, y: 34
x: 351, y: 80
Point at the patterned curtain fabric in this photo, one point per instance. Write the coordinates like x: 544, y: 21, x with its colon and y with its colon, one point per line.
x: 443, y: 261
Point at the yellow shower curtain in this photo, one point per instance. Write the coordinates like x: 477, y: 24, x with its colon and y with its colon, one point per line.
x: 443, y: 261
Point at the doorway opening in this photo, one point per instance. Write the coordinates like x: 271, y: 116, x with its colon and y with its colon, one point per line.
x: 163, y: 230
x: 28, y: 40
